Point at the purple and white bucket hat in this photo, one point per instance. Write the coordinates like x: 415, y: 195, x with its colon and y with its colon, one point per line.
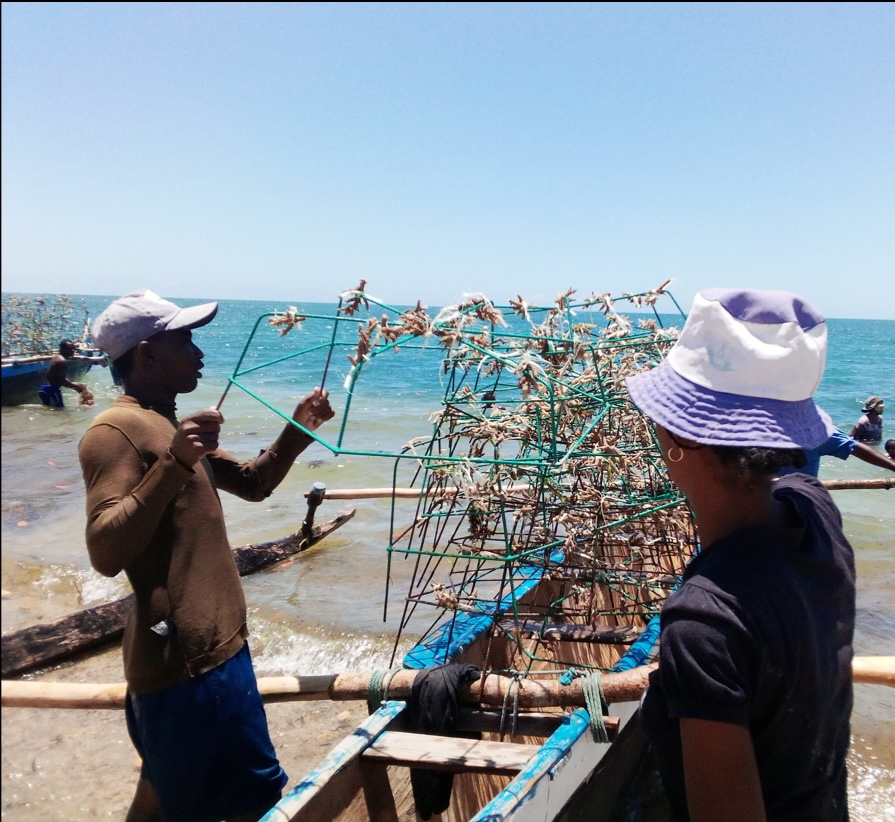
x: 742, y: 373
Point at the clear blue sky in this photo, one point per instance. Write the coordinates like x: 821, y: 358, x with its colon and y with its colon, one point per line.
x: 284, y: 151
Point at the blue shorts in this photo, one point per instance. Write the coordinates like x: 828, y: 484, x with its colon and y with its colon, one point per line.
x: 205, y: 744
x: 50, y: 396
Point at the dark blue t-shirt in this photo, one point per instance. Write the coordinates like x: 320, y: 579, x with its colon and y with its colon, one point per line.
x: 760, y: 634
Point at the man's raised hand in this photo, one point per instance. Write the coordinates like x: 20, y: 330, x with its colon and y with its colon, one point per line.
x: 314, y: 409
x: 196, y: 436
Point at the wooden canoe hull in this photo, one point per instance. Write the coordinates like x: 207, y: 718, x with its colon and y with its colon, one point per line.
x: 76, y: 634
x: 356, y: 781
x: 532, y: 774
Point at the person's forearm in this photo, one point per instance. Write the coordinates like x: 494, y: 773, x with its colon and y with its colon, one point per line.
x: 274, y: 463
x: 873, y: 457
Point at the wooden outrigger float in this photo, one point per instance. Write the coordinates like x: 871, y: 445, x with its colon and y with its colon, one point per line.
x: 70, y: 636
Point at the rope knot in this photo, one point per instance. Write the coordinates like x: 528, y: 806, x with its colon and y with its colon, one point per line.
x: 596, y: 704
x: 377, y: 688
x: 512, y: 689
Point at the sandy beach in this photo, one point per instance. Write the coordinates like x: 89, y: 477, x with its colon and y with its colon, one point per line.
x: 60, y: 764
x: 65, y: 764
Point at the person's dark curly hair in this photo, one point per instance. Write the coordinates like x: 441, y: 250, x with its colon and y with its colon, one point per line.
x: 753, y: 462
x: 750, y: 462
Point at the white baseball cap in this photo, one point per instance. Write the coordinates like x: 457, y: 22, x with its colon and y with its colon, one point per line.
x: 142, y: 314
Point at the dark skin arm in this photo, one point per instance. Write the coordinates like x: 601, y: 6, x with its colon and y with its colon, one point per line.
x: 720, y: 772
x: 873, y: 457
x: 57, y: 374
x: 125, y: 502
x: 311, y: 412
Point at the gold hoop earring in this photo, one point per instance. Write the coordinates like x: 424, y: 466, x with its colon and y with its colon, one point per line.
x: 680, y: 455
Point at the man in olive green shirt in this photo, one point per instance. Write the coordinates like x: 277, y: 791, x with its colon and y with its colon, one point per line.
x: 193, y: 708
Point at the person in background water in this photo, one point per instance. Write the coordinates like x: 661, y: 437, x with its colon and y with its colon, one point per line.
x: 193, y: 709
x: 57, y: 375
x: 869, y: 427
x: 843, y: 446
x: 748, y: 711
x: 890, y: 448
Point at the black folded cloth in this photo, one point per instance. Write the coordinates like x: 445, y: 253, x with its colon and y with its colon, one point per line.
x: 432, y: 708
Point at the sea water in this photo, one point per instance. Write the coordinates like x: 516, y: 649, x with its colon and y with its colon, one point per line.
x: 328, y: 610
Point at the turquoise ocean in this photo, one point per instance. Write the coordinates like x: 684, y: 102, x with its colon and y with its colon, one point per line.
x: 326, y: 611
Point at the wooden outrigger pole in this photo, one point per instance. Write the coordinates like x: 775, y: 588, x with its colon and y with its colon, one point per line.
x: 493, y: 689
x: 40, y: 645
x: 882, y: 483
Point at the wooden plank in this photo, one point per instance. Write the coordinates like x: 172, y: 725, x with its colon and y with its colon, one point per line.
x: 332, y: 786
x: 449, y: 753
x: 528, y: 724
x: 378, y: 795
x: 486, y: 720
x: 850, y: 485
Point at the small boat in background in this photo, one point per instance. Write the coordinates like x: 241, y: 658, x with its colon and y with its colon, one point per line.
x: 23, y: 375
x: 33, y: 327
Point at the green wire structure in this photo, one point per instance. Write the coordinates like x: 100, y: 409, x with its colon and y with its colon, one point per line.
x: 537, y: 465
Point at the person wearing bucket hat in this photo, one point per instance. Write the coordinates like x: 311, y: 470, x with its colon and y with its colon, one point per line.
x: 193, y: 709
x: 869, y: 427
x: 748, y: 711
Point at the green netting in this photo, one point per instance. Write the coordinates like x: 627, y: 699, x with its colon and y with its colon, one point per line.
x: 536, y: 458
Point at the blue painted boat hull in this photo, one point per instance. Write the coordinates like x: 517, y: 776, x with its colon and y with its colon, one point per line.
x: 350, y: 786
x: 22, y: 379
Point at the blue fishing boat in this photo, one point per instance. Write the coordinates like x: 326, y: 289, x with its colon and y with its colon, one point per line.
x: 23, y: 375
x: 520, y: 750
x: 33, y: 327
